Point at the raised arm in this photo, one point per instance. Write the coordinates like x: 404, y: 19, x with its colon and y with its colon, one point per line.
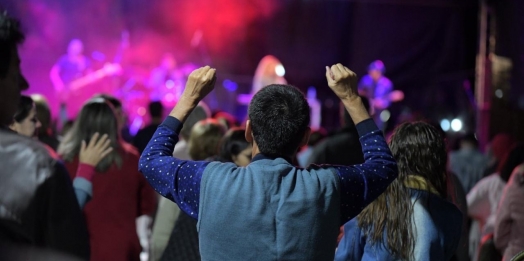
x: 361, y: 184
x: 175, y: 179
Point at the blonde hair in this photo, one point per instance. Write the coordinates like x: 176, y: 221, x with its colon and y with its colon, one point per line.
x: 205, y: 138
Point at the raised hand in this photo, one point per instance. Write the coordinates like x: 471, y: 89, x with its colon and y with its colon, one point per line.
x: 199, y: 84
x: 96, y: 150
x: 342, y: 81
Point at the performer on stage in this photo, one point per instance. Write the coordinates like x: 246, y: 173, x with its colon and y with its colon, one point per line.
x: 377, y: 88
x: 72, y: 75
x: 166, y: 79
x: 68, y: 68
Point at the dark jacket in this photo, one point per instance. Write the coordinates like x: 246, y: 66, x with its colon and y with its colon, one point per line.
x: 343, y: 148
x: 38, y: 206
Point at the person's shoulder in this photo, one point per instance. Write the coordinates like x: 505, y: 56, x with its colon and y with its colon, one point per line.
x: 26, y: 165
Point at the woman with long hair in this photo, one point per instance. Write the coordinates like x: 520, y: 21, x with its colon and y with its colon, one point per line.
x: 411, y: 220
x: 120, y: 194
x: 26, y: 123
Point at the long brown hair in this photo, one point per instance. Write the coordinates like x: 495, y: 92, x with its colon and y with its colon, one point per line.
x: 420, y: 151
x: 97, y: 115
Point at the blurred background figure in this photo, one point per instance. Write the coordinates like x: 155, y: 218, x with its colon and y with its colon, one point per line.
x: 315, y: 138
x: 483, y: 202
x: 468, y: 163
x: 25, y: 121
x: 70, y: 67
x: 156, y: 110
x: 509, y: 225
x: 47, y: 132
x: 377, y: 88
x: 120, y: 192
x: 235, y: 148
x: 205, y: 138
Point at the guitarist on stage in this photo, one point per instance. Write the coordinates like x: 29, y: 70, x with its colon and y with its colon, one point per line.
x: 378, y: 89
x: 71, y: 66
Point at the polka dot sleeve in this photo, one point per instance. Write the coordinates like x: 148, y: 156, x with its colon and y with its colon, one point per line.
x: 175, y: 179
x: 363, y: 183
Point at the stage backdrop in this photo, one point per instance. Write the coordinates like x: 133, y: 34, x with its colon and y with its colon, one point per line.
x: 428, y: 47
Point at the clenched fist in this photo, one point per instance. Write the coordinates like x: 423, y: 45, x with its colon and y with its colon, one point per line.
x: 342, y: 81
x: 199, y: 84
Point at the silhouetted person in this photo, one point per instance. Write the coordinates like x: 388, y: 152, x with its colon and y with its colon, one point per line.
x: 144, y: 135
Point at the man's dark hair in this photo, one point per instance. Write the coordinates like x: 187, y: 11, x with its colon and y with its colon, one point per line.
x: 279, y: 116
x: 10, y: 37
x: 156, y: 109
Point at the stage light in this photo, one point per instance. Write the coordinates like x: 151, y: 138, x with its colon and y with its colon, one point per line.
x: 170, y: 84
x: 384, y: 115
x: 280, y: 71
x: 141, y: 111
x: 169, y: 97
x: 445, y: 124
x: 456, y: 125
x: 230, y: 85
x: 499, y: 93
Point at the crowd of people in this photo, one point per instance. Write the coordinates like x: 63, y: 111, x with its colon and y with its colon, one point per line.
x: 196, y: 186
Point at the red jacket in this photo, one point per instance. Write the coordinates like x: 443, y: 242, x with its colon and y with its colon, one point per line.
x: 120, y: 195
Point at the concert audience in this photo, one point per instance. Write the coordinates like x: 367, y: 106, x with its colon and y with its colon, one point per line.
x: 305, y: 153
x: 468, y: 163
x: 120, y: 193
x: 412, y: 219
x: 228, y: 200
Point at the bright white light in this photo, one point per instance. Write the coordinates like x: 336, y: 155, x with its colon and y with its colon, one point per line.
x: 445, y: 125
x: 170, y: 84
x: 279, y: 70
x: 456, y: 125
x: 499, y: 93
x: 384, y: 115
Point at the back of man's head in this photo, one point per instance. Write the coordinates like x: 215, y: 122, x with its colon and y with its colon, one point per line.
x: 279, y: 116
x: 156, y: 109
x: 201, y: 112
